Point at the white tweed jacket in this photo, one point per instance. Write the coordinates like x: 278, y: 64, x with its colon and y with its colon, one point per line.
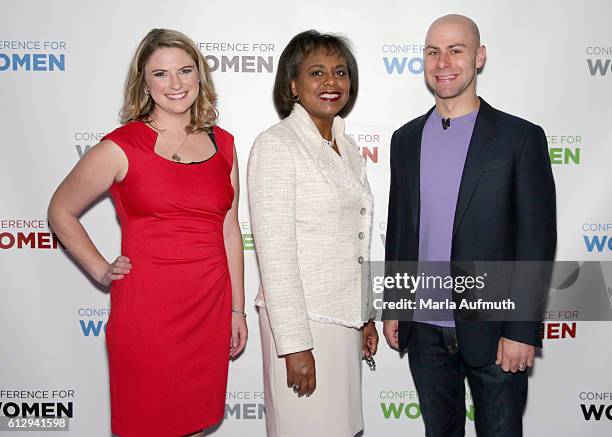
x: 311, y: 217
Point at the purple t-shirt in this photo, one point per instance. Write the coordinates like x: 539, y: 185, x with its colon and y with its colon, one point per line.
x: 443, y: 153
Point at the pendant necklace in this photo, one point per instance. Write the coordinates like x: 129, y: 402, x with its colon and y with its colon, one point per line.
x: 329, y: 143
x: 175, y: 154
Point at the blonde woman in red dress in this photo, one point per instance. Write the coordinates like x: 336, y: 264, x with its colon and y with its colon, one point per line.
x: 177, y: 295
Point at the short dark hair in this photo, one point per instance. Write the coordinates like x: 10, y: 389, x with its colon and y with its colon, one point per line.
x: 301, y: 46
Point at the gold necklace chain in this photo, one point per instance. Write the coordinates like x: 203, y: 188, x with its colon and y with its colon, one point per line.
x: 175, y: 155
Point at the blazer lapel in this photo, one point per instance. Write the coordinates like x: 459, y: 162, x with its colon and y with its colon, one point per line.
x: 412, y: 162
x: 477, y: 156
x: 336, y: 168
x: 346, y: 169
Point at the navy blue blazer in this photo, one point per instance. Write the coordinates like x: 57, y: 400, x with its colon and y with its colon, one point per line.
x: 506, y: 211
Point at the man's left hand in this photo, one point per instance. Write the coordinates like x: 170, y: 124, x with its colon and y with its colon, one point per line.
x: 513, y: 356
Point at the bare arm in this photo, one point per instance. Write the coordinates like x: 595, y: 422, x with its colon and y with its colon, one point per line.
x: 104, y: 164
x: 235, y: 260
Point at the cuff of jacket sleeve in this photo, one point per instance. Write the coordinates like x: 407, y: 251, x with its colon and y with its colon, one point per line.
x: 523, y: 332
x: 285, y: 348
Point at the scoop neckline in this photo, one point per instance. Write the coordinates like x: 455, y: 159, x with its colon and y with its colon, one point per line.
x: 193, y: 163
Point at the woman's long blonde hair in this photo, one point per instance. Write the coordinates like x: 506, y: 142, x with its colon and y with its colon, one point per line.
x: 137, y: 105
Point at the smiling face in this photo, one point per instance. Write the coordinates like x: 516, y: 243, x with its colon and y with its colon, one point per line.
x: 171, y: 76
x: 453, y: 55
x: 323, y: 86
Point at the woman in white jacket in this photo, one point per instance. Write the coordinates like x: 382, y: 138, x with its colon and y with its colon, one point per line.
x: 311, y: 215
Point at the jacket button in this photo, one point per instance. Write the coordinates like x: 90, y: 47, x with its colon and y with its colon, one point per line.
x: 360, y: 260
x: 362, y: 211
x: 361, y: 235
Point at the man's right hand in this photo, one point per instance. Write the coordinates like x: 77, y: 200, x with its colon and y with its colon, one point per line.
x: 301, y: 375
x: 390, y: 330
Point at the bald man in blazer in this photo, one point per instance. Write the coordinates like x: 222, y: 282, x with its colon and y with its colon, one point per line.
x: 468, y: 183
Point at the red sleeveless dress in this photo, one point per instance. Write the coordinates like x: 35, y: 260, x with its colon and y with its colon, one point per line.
x: 168, y: 334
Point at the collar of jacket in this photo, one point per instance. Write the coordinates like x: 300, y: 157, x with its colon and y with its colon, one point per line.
x: 350, y: 169
x: 300, y: 115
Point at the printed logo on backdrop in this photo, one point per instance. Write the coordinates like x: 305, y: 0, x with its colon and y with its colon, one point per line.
x: 564, y: 149
x: 559, y: 330
x: 239, y: 56
x: 82, y: 141
x: 247, y: 236
x: 369, y: 143
x: 92, y: 321
x: 561, y: 324
x: 26, y: 234
x: 404, y: 404
x: 596, y: 406
x: 380, y: 229
x: 36, y: 409
x: 597, y: 237
x: 32, y: 55
x: 599, y: 60
x: 244, y: 405
x: 403, y: 58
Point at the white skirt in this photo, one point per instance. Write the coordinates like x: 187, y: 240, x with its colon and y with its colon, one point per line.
x: 334, y: 409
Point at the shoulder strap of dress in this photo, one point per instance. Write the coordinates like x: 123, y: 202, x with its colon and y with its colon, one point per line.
x: 225, y: 144
x: 137, y: 142
x: 133, y: 135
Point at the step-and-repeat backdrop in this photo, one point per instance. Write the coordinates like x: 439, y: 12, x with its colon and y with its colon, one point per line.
x: 62, y: 69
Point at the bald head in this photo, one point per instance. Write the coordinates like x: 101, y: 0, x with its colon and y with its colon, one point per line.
x: 459, y: 24
x: 452, y: 58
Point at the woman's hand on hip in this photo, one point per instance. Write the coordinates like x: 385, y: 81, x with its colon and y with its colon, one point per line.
x: 115, y: 270
x: 301, y: 375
